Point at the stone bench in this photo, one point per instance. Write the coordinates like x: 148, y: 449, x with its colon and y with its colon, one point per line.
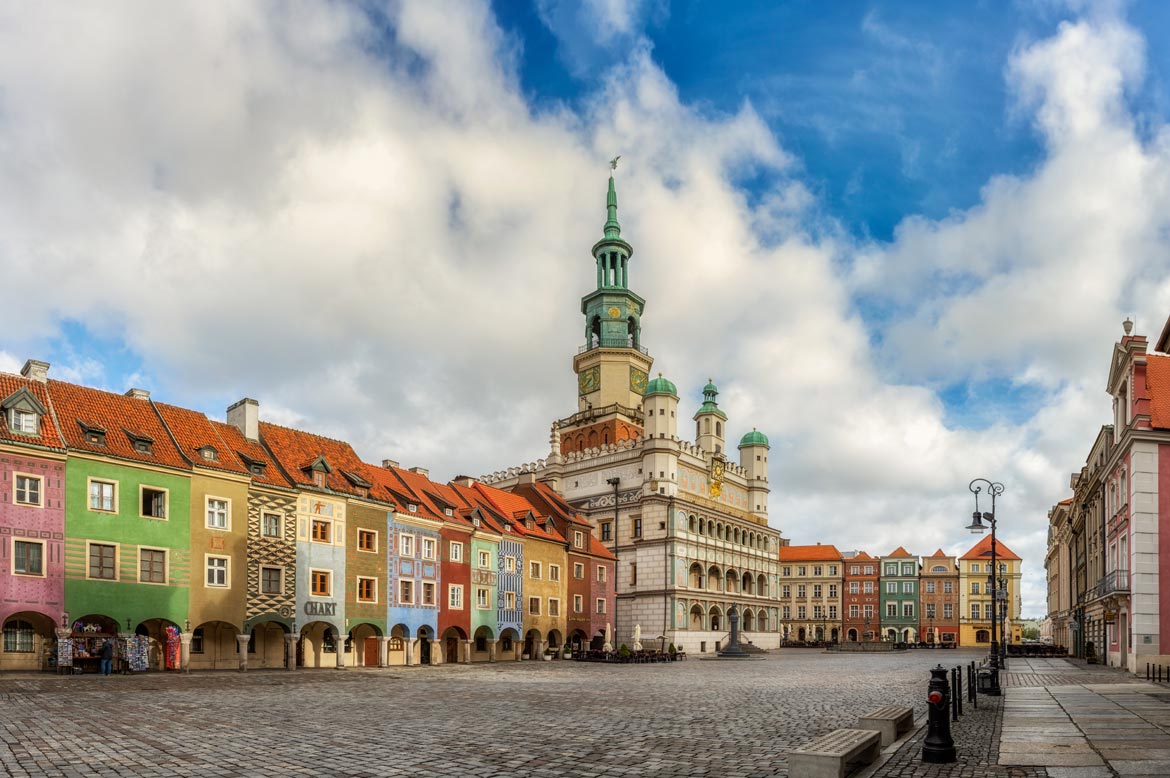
x: 891, y: 721
x: 828, y: 756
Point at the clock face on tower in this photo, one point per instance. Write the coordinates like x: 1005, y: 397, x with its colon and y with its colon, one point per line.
x: 637, y: 380
x: 589, y: 380
x: 614, y: 313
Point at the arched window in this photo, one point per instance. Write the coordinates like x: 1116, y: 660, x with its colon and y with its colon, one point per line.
x: 18, y: 637
x: 719, y: 428
x: 706, y: 425
x: 691, y: 524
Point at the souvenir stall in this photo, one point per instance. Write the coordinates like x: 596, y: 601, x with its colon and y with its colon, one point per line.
x: 156, y: 644
x: 81, y: 651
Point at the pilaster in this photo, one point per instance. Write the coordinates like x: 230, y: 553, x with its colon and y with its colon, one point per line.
x: 242, y: 645
x: 290, y: 650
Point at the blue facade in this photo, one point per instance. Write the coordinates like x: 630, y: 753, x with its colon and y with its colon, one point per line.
x: 321, y: 556
x: 423, y: 573
x: 510, y: 581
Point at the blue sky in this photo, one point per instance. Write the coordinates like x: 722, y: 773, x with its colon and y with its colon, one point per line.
x: 902, y: 236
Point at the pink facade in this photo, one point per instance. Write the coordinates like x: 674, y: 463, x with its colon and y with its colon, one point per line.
x: 40, y: 525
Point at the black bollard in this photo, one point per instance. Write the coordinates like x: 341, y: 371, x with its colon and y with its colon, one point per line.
x: 939, y: 746
x: 957, y: 692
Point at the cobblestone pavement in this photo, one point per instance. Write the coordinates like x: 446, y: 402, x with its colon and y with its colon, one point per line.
x: 693, y: 718
x: 530, y: 718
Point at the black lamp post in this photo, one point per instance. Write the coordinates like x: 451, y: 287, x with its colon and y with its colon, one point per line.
x: 976, y: 526
x: 614, y: 482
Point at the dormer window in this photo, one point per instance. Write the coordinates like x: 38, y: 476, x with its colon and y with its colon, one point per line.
x: 256, y: 468
x: 578, y: 538
x: 209, y: 454
x: 318, y: 478
x: 142, y: 444
x: 23, y: 412
x: 412, y: 508
x: 24, y: 422
x: 450, y: 512
x: 361, y: 491
x: 94, y: 435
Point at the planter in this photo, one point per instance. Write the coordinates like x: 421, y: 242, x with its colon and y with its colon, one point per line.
x: 524, y: 656
x: 548, y: 657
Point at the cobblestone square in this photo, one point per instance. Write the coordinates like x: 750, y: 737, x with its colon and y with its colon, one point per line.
x: 692, y: 718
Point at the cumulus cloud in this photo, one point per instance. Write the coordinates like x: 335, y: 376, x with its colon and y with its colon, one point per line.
x: 355, y: 216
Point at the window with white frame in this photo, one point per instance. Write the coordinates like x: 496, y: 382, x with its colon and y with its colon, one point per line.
x: 578, y: 538
x: 948, y: 611
x: 367, y: 540
x: 534, y: 569
x: 367, y: 589
x: 321, y: 583
x: 406, y: 545
x: 455, y: 551
x: 832, y: 611
x: 485, y: 560
x: 801, y: 591
x: 27, y: 489
x: 554, y: 572
x: 854, y: 611
x: 787, y: 611
x: 891, y: 587
x: 102, y: 559
x: 428, y: 593
x: 218, y: 513
x: 601, y: 574
x: 554, y: 606
x: 578, y: 570
x: 907, y: 587
x: 534, y: 606
x: 600, y: 605
x: 406, y: 592
x: 103, y: 496
x: 270, y: 525
x: 948, y: 587
x: 428, y: 548
x: 23, y: 421
x: 801, y: 611
x: 271, y: 580
x: 854, y: 587
x: 868, y: 610
x: 817, y: 570
x: 786, y: 591
x: 510, y: 601
x: 481, y: 598
x: 975, y: 610
x: 974, y: 587
x: 929, y: 587
x: 455, y: 597
x: 18, y: 637
x: 578, y: 603
x: 509, y: 564
x: 817, y: 590
x: 832, y: 590
x: 907, y: 610
x: 321, y: 531
x: 28, y: 557
x: 217, y: 570
x: 832, y: 569
x: 153, y: 502
x: 867, y: 587
x: 868, y: 570
x: 892, y: 609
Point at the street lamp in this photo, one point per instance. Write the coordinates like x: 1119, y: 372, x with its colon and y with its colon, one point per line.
x: 976, y: 527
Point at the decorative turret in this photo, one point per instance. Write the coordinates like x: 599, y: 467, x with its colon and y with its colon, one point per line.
x: 612, y: 367
x: 709, y: 421
x: 753, y: 458
x: 660, y: 448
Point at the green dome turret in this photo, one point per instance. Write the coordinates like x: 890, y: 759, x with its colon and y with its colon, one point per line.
x: 754, y: 438
x: 710, y: 392
x: 660, y: 385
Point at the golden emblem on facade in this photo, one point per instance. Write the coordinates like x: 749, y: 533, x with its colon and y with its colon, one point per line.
x: 717, y: 467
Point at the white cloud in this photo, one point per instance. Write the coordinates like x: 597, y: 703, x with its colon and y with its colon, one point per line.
x: 382, y: 241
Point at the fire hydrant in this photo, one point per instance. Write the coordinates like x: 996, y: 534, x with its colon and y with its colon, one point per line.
x: 939, y: 746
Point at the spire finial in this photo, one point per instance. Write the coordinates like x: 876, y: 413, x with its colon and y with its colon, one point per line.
x: 612, y: 228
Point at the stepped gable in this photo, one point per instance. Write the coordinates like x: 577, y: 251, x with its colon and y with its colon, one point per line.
x: 47, y: 434
x: 193, y: 432
x: 900, y: 552
x: 298, y: 453
x: 816, y: 553
x: 1158, y: 386
x: 982, y: 550
x: 118, y: 420
x: 248, y: 451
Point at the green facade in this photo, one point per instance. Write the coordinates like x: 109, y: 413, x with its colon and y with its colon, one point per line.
x: 127, y: 598
x: 904, y: 580
x: 481, y: 617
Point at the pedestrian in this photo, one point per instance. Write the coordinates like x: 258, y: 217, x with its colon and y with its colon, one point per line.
x: 107, y: 656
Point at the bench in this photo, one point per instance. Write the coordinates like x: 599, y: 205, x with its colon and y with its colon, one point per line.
x: 891, y: 721
x: 827, y: 756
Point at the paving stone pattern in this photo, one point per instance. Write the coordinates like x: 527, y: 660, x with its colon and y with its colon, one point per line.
x: 693, y: 718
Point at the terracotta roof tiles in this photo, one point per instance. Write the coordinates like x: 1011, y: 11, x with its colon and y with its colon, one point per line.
x: 982, y: 550
x: 246, y: 450
x: 900, y: 552
x: 819, y: 553
x: 1158, y: 386
x: 294, y: 448
x: 47, y: 433
x: 194, y: 431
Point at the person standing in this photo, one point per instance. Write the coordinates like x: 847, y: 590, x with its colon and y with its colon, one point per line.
x: 107, y: 656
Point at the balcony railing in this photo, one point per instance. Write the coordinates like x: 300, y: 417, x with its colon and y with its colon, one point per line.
x: 1114, y: 582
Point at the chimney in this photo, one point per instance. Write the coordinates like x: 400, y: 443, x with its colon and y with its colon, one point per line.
x: 527, y: 478
x: 421, y: 471
x: 463, y: 480
x: 138, y: 394
x: 245, y: 416
x: 36, y: 370
x: 389, y: 463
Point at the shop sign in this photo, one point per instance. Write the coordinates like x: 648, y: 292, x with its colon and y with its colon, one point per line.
x: 320, y: 609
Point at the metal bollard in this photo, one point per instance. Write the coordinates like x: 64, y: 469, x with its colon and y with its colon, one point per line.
x: 939, y: 746
x: 957, y: 692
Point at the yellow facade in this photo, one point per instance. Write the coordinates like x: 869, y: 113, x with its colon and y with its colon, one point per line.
x: 545, y: 605
x: 975, y: 591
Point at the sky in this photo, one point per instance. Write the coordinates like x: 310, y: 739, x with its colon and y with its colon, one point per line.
x: 901, y: 236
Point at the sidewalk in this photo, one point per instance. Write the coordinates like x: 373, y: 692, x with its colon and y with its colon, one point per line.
x: 1056, y: 719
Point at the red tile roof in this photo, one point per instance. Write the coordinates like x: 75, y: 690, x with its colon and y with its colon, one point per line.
x: 516, y: 507
x: 1158, y: 386
x: 249, y: 449
x: 900, y: 552
x: 818, y: 553
x: 193, y: 431
x: 938, y: 553
x: 863, y: 557
x: 118, y: 415
x: 293, y: 449
x: 48, y: 434
x: 982, y: 550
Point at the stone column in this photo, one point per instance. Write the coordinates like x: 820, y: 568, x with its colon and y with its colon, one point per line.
x: 466, y: 652
x: 408, y: 645
x: 290, y: 648
x: 492, y: 645
x: 242, y: 642
x: 517, y: 651
x: 341, y: 637
x: 384, y: 651
x: 185, y: 650
x: 538, y: 649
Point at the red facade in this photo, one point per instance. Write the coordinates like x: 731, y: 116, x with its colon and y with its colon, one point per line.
x: 862, y: 617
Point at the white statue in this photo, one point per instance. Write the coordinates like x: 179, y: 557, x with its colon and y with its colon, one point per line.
x: 608, y: 638
x: 637, y: 641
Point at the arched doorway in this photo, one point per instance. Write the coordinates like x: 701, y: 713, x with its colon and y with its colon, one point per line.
x: 532, y: 646
x: 509, y: 644
x: 164, y: 646
x: 716, y: 616
x: 851, y: 636
x: 481, y: 649
x: 453, y: 638
x: 318, y: 645
x: 800, y: 634
x: 270, y: 647
x: 892, y: 635
x: 833, y: 634
x: 554, y: 640
x: 396, y: 650
x: 578, y: 640
x: 29, y: 641
x: 425, y: 640
x: 366, y: 639
x: 982, y: 636
x: 214, y: 646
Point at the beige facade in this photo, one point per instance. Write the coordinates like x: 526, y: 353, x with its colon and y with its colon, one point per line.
x: 811, y: 590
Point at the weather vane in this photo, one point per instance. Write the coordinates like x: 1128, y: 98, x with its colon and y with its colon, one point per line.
x: 613, y: 162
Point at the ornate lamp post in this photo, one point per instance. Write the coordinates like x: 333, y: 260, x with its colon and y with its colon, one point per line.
x: 976, y: 526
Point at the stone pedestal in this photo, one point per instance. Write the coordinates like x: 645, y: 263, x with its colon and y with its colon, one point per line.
x: 290, y: 650
x: 185, y: 650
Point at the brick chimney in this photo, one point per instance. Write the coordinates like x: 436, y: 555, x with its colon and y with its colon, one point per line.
x: 389, y: 463
x: 245, y: 416
x: 35, y: 370
x: 463, y: 480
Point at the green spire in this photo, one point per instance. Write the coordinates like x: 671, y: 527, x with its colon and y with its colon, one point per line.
x: 612, y: 228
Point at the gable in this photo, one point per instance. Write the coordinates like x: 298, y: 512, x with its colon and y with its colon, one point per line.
x: 23, y: 400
